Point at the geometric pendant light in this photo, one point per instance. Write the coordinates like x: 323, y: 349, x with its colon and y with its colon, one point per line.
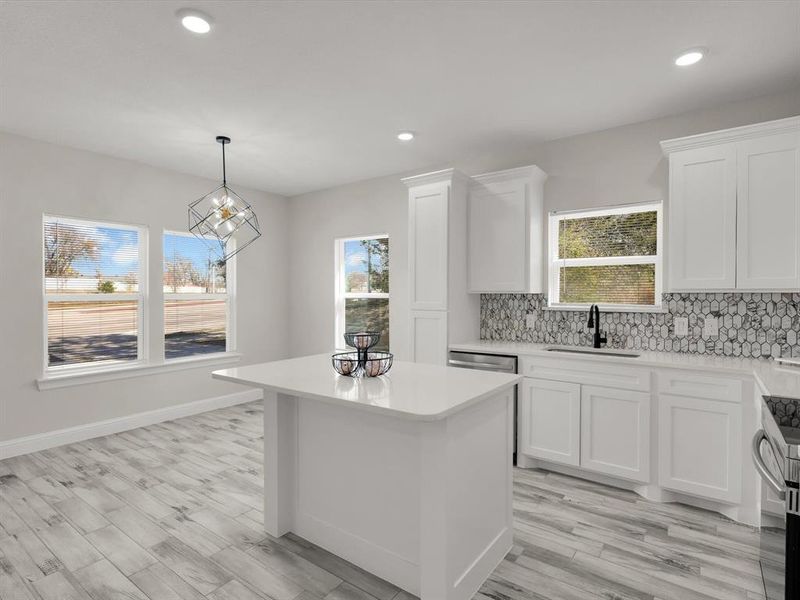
x: 222, y: 219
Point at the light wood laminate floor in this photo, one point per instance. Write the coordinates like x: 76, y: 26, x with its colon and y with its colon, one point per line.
x: 173, y: 512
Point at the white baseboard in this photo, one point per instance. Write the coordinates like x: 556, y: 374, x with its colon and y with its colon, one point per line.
x: 59, y: 437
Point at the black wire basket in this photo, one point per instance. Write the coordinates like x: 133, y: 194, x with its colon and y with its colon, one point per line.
x: 362, y: 362
x: 362, y: 340
x: 378, y: 363
x: 346, y: 363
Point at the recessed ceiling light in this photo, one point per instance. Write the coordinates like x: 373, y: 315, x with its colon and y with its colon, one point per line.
x: 405, y: 136
x: 690, y: 57
x: 194, y: 20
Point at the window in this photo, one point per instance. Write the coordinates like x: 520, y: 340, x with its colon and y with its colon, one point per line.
x: 94, y: 288
x: 362, y: 287
x: 610, y: 257
x: 197, y: 299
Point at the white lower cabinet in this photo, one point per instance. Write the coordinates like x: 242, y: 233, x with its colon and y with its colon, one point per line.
x: 615, y: 432
x: 549, y: 420
x: 623, y: 423
x: 699, y: 447
x: 429, y: 336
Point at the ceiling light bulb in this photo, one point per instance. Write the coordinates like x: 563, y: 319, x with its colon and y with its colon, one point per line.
x: 690, y: 57
x: 405, y: 136
x: 195, y: 21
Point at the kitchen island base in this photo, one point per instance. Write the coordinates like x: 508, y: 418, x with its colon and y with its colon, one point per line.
x: 423, y: 504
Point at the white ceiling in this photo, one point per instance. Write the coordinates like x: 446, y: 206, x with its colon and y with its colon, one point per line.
x: 312, y: 93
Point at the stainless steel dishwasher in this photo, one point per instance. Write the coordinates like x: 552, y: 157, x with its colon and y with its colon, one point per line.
x: 488, y: 362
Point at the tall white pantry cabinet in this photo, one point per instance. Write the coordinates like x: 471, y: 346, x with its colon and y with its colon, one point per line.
x: 734, y: 209
x: 441, y: 310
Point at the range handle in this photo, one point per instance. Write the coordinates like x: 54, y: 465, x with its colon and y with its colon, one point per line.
x: 777, y: 485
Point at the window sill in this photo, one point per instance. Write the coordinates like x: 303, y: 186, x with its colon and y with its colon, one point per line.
x: 53, y: 381
x: 607, y: 308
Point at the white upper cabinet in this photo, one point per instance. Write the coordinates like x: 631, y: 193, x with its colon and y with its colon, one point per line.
x: 768, y: 201
x: 702, y: 218
x: 505, y: 231
x: 734, y: 209
x: 427, y: 214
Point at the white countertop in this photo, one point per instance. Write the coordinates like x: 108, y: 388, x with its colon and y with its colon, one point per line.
x: 409, y: 390
x: 773, y: 380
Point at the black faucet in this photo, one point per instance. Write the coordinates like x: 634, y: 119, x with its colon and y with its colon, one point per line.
x: 594, y: 321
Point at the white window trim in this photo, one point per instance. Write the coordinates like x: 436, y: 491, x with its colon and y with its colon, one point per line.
x: 230, y: 310
x: 142, y: 298
x: 341, y: 295
x: 71, y: 375
x: 555, y: 263
x: 126, y: 370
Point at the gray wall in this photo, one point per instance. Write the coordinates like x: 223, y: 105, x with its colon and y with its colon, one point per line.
x: 41, y: 178
x: 296, y: 252
x: 316, y: 220
x: 615, y: 166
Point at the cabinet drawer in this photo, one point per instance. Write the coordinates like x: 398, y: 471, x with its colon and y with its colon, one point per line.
x: 694, y: 385
x: 579, y: 371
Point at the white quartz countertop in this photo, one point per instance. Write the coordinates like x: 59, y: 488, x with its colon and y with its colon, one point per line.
x: 773, y: 380
x: 409, y: 390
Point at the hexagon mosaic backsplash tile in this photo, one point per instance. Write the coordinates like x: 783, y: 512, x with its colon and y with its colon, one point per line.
x: 785, y: 410
x: 752, y: 325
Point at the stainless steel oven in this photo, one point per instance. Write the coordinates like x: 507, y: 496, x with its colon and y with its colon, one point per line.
x: 488, y: 362
x: 776, y: 455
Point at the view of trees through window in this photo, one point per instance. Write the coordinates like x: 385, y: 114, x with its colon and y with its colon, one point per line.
x: 365, y: 301
x: 91, y: 281
x: 195, y: 297
x: 608, y: 258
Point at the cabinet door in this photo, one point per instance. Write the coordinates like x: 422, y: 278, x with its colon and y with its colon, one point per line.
x: 615, y: 432
x: 699, y: 447
x: 702, y: 218
x: 427, y: 213
x: 549, y: 420
x: 768, y: 199
x: 429, y: 336
x: 497, y: 235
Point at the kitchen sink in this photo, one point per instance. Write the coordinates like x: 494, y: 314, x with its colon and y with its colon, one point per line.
x: 600, y: 351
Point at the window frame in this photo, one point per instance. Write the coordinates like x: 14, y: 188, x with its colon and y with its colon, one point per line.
x: 230, y: 305
x: 141, y: 297
x: 554, y: 263
x: 341, y: 296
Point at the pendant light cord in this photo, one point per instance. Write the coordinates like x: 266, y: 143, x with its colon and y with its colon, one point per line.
x: 224, y: 179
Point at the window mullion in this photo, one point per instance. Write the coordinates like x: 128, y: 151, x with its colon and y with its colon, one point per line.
x: 92, y: 297
x: 363, y: 295
x: 600, y: 261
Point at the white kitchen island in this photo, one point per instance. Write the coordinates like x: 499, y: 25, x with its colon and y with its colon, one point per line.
x: 407, y: 475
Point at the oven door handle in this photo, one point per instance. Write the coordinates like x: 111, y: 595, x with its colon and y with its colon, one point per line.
x: 777, y: 486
